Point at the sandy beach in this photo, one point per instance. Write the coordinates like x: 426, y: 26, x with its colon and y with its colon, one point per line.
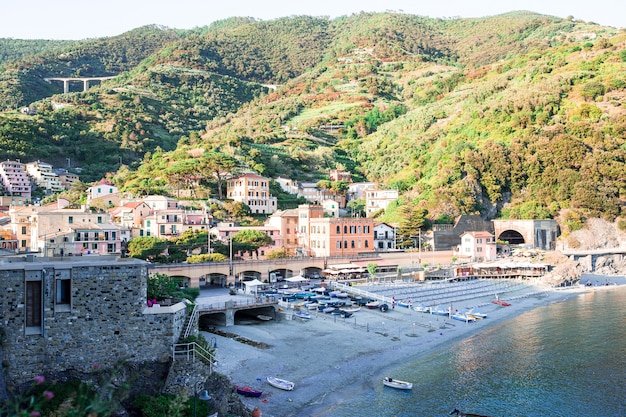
x: 328, y: 356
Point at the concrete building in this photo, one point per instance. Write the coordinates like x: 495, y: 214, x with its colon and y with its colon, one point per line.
x: 376, y: 200
x: 288, y: 185
x: 54, y: 231
x: 338, y: 175
x: 254, y: 191
x: 101, y: 190
x: 315, y: 195
x: 286, y: 222
x: 173, y: 222
x: 478, y: 246
x: 72, y: 314
x: 14, y: 179
x: 44, y: 177
x: 347, y: 236
x: 357, y: 190
x: 68, y: 179
x: 384, y: 237
x: 331, y: 208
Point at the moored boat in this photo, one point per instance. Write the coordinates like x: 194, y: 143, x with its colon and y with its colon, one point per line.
x: 395, y: 383
x: 280, y: 383
x: 372, y: 305
x: 463, y: 317
x: 264, y: 317
x: 303, y: 315
x: 440, y: 311
x: 421, y: 308
x: 248, y: 392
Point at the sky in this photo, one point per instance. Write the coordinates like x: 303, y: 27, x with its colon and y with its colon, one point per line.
x: 80, y: 19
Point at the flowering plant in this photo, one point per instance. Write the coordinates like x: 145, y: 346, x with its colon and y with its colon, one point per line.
x: 30, y: 404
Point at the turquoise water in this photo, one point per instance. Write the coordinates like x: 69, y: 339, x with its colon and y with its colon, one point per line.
x: 564, y: 359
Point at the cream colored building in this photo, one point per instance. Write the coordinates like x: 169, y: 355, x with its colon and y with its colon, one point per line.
x: 254, y: 191
x: 44, y: 177
x: 286, y: 222
x: 376, y: 200
x: 13, y: 179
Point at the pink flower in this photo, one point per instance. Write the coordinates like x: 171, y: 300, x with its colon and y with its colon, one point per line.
x: 96, y: 366
x: 35, y: 414
x: 48, y: 394
x: 40, y: 379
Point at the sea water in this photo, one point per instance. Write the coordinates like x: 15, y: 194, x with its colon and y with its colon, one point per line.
x: 563, y: 359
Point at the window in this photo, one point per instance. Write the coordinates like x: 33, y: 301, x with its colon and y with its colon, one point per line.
x: 338, y: 229
x: 345, y: 230
x: 99, y: 219
x: 339, y: 244
x: 62, y: 294
x: 34, y: 303
x: 94, y: 246
x: 23, y: 230
x: 23, y: 243
x: 70, y: 219
x: 367, y: 243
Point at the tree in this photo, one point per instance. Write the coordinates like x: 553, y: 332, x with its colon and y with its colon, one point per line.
x: 252, y: 240
x: 277, y: 254
x: 413, y: 219
x: 357, y: 207
x: 217, y: 165
x: 146, y: 247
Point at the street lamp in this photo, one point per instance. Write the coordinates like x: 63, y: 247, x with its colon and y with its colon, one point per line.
x: 203, y: 397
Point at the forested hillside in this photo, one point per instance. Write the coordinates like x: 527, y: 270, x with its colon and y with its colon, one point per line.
x: 517, y: 115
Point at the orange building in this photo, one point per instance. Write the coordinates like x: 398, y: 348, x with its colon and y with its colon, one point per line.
x: 345, y: 236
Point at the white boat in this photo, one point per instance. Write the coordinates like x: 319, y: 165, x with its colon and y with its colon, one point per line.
x: 264, y: 317
x: 280, y: 383
x: 476, y: 314
x: 395, y: 383
x: 440, y: 311
x: 302, y: 315
x: 463, y: 317
x: 421, y: 308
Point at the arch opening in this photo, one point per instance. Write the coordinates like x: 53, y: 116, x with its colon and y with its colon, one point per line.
x: 513, y: 237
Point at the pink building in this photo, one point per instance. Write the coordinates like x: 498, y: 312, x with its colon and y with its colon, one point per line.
x: 478, y: 246
x: 14, y: 179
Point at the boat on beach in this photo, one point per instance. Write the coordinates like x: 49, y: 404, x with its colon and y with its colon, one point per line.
x: 421, y: 308
x: 303, y: 315
x: 500, y: 302
x: 372, y: 305
x: 280, y: 383
x: 440, y: 311
x: 248, y: 392
x: 476, y: 314
x: 463, y: 317
x: 397, y: 384
x: 264, y: 317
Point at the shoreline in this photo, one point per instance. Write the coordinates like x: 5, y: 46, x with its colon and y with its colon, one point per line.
x: 327, y: 357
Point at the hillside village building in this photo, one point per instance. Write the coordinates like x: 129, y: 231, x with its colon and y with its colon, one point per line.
x: 384, y: 237
x: 254, y: 191
x: 44, y: 177
x: 14, y: 179
x: 478, y: 246
x: 376, y: 200
x: 286, y: 223
x: 225, y: 232
x: 344, y: 236
x: 55, y: 231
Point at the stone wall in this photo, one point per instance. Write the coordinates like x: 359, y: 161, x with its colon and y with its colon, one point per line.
x: 105, y: 322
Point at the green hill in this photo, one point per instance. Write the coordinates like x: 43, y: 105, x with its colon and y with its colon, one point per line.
x: 518, y: 115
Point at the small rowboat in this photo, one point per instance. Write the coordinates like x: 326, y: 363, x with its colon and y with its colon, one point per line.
x: 501, y: 303
x: 264, y: 317
x: 248, y: 392
x: 303, y: 315
x: 280, y: 383
x: 395, y: 383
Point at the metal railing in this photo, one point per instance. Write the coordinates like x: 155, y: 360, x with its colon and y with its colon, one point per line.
x: 193, y: 351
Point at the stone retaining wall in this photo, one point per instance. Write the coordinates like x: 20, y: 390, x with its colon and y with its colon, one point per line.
x: 105, y: 321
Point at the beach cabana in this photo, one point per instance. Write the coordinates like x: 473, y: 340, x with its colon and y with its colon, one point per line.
x: 252, y: 284
x: 297, y: 278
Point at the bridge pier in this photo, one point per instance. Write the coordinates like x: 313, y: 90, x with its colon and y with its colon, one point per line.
x: 85, y: 85
x: 230, y: 317
x: 66, y: 86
